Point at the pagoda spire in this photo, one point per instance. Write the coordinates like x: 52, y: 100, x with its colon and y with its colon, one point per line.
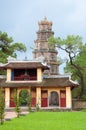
x: 42, y: 47
x: 45, y: 18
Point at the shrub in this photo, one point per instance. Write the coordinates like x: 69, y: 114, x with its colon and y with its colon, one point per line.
x: 2, y: 106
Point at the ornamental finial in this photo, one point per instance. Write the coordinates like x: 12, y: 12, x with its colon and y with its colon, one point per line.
x: 45, y: 18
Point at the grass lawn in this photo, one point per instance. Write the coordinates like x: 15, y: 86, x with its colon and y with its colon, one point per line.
x: 48, y: 121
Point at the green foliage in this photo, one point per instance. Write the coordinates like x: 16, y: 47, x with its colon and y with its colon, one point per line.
x: 71, y: 44
x: 23, y: 97
x: 84, y: 96
x: 37, y: 107
x: 84, y: 110
x: 8, y: 48
x: 80, y: 61
x: 2, y: 106
x: 76, y: 61
x: 18, y: 47
x: 29, y: 101
x: 17, y: 103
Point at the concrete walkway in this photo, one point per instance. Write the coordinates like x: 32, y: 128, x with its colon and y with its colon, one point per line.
x: 9, y: 115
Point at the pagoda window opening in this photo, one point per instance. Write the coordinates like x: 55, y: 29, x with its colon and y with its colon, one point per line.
x: 24, y: 74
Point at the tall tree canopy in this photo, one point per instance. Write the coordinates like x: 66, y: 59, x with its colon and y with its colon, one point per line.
x: 8, y: 47
x: 76, y: 61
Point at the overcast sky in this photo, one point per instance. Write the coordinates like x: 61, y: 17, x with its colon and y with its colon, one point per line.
x: 19, y: 18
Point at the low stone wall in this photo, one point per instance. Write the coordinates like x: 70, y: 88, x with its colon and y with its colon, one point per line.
x: 78, y: 104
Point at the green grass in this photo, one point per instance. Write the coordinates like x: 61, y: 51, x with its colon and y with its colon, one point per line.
x: 48, y: 121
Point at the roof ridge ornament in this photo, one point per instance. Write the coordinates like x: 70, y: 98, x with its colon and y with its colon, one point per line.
x: 11, y: 59
x: 45, y: 18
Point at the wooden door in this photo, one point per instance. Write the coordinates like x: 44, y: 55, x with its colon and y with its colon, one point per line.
x: 33, y: 97
x: 12, y: 104
x: 44, y: 98
x: 62, y: 98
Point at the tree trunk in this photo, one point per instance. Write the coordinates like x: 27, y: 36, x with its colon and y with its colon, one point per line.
x: 82, y: 87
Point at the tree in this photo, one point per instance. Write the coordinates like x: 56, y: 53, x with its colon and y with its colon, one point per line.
x: 17, y: 103
x: 80, y: 61
x: 8, y: 48
x: 76, y: 61
x: 23, y: 95
x: 2, y: 106
x: 29, y: 98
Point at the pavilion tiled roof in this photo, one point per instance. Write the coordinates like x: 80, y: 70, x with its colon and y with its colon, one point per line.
x: 47, y: 82
x: 23, y: 65
x: 59, y: 81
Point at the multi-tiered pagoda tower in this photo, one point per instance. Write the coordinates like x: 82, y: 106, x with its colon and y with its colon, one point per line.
x: 42, y: 47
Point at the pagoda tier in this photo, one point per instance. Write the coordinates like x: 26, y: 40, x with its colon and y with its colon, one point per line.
x: 42, y: 47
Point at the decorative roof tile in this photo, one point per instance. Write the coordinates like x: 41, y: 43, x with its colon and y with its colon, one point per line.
x: 47, y: 82
x: 24, y: 64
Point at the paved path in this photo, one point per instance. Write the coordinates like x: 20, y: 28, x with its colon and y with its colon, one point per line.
x: 10, y: 115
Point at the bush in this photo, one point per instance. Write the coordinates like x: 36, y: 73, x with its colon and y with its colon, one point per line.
x: 2, y: 106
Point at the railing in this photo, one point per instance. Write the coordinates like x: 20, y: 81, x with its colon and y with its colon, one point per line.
x: 25, y: 77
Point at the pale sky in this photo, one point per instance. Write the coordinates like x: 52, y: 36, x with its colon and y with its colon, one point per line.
x: 19, y: 18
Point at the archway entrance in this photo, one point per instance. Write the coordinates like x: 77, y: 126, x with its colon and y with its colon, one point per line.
x: 54, y: 99
x: 23, y: 95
